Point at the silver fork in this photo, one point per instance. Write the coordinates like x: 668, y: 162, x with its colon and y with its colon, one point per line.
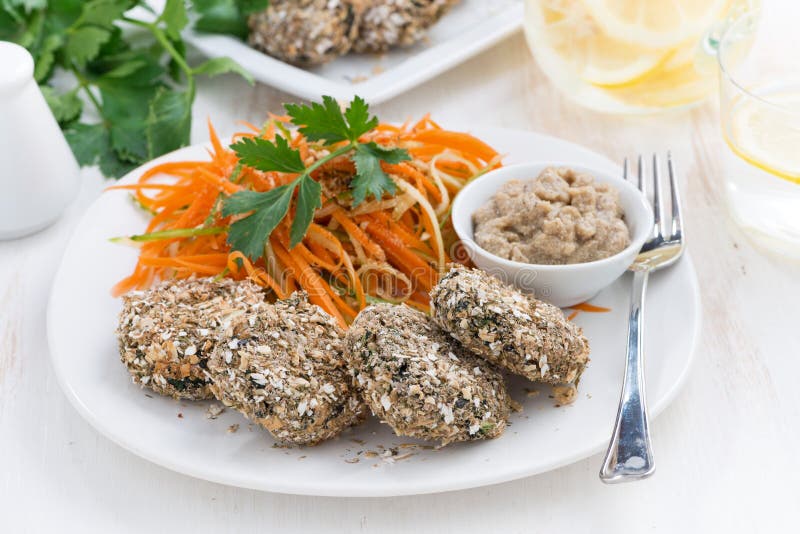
x: 630, y: 456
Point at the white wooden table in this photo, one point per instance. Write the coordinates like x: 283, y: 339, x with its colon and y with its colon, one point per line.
x: 726, y: 449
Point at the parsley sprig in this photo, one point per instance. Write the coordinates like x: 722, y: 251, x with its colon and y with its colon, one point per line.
x: 130, y: 66
x: 320, y: 122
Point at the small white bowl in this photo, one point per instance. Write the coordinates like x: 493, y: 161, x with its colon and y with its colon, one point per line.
x: 562, y: 285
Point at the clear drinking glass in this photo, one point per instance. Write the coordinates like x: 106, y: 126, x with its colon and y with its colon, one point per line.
x: 760, y: 114
x: 630, y: 56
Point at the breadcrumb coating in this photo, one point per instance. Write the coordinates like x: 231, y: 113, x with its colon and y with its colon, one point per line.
x: 510, y: 329
x: 306, y: 32
x: 166, y: 333
x: 420, y: 382
x: 282, y: 367
x: 387, y: 24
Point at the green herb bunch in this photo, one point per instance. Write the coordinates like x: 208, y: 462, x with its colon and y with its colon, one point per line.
x: 139, y: 82
x: 341, y: 133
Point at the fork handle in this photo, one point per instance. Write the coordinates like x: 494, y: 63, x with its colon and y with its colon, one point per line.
x: 629, y: 456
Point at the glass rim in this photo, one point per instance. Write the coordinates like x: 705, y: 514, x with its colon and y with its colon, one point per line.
x: 726, y: 72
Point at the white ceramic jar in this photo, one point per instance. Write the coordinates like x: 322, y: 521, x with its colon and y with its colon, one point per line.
x: 38, y: 172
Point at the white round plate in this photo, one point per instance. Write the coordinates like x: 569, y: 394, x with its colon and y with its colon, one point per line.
x: 471, y: 27
x: 82, y: 316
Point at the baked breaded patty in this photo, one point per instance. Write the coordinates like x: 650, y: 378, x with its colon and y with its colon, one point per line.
x: 389, y: 23
x: 513, y: 330
x: 166, y: 333
x: 306, y: 32
x: 418, y: 381
x: 282, y: 367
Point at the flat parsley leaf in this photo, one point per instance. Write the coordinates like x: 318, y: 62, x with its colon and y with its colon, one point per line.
x: 358, y: 119
x: 168, y: 122
x: 326, y: 122
x: 226, y: 16
x: 9, y: 24
x: 249, y: 235
x: 318, y: 122
x: 126, y: 107
x: 103, y: 12
x: 29, y: 5
x: 46, y: 57
x: 175, y: 17
x: 267, y: 156
x: 248, y: 7
x: 93, y: 29
x: 221, y: 65
x: 308, y: 200
x: 84, y: 43
x: 123, y: 70
x: 370, y: 178
x: 86, y: 141
x: 91, y: 145
x: 66, y: 107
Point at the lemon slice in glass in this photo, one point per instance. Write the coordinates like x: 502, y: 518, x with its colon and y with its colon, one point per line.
x: 569, y: 30
x: 655, y: 23
x: 768, y: 136
x: 613, y: 63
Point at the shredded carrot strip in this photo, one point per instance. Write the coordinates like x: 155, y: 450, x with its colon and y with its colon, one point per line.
x: 586, y: 307
x: 128, y: 283
x: 177, y: 263
x: 314, y: 260
x: 323, y: 238
x: 458, y: 141
x: 212, y: 134
x: 402, y: 258
x: 358, y: 235
x: 321, y: 252
x: 310, y: 280
x: 139, y: 187
x: 170, y: 168
x: 402, y: 231
x: 407, y: 171
x: 420, y: 301
x: 388, y: 128
x: 250, y: 125
x: 212, y: 259
x: 222, y: 184
x: 258, y: 276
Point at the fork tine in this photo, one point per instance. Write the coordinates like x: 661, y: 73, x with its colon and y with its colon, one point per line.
x: 677, y: 216
x: 625, y: 169
x: 640, y: 173
x: 656, y: 198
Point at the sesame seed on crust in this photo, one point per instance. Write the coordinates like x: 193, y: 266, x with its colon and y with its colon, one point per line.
x: 419, y: 381
x: 510, y: 329
x: 282, y: 367
x: 166, y: 333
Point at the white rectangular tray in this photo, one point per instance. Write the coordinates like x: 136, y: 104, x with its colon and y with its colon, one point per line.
x: 468, y: 29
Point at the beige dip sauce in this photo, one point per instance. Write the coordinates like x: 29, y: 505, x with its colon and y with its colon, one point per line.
x: 560, y: 217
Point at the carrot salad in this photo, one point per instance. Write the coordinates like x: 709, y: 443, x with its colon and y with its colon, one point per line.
x: 392, y: 248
